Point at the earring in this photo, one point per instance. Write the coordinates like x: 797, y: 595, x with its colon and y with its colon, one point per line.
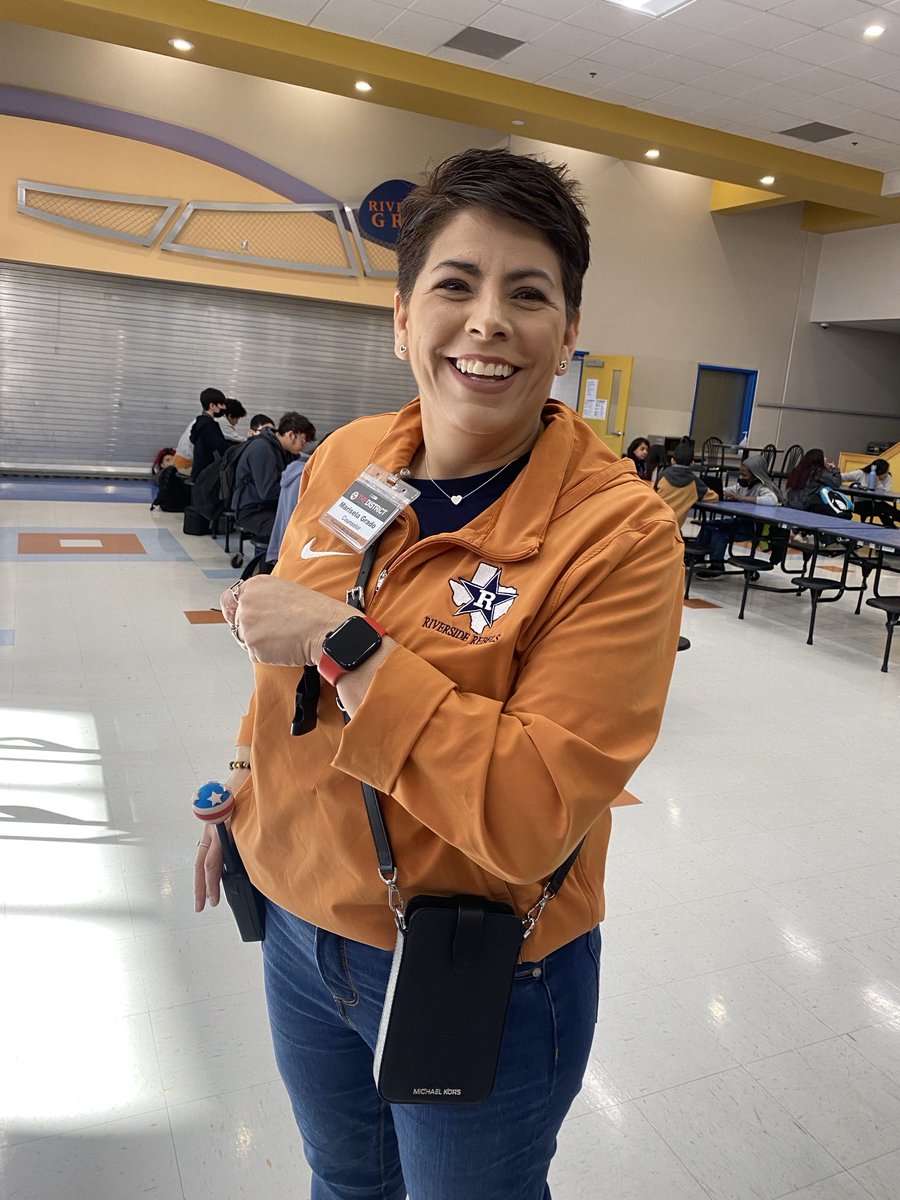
x: 563, y: 364
x: 402, y: 349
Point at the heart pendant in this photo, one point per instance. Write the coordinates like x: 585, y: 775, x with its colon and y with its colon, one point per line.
x: 456, y: 499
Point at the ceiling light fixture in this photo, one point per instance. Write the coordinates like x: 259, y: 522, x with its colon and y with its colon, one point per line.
x: 181, y: 44
x: 652, y: 8
x: 362, y: 86
x: 518, y: 122
x: 767, y: 180
x: 651, y: 154
x: 873, y: 31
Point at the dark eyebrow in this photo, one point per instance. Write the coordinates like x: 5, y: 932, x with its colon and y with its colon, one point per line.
x: 469, y: 268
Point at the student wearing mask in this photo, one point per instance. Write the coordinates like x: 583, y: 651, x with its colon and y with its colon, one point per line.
x: 212, y: 404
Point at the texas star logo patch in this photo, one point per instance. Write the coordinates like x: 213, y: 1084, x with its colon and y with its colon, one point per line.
x: 483, y: 598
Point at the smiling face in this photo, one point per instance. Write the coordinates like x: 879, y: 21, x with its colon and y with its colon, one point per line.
x: 486, y: 328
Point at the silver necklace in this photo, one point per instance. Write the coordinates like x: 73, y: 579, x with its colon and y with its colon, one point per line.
x: 458, y: 499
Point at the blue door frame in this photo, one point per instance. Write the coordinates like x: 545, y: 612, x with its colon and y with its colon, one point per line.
x: 749, y: 393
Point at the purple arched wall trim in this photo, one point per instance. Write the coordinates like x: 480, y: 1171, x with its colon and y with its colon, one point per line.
x: 44, y: 106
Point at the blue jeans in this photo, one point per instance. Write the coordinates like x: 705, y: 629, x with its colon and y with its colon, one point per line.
x: 325, y: 995
x: 718, y: 534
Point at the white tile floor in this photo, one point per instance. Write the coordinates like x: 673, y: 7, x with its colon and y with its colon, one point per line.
x: 748, y: 1046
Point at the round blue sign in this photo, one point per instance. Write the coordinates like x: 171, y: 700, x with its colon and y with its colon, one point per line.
x: 379, y: 213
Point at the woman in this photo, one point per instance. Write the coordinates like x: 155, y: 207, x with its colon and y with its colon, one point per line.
x: 885, y: 512
x: 805, y: 483
x: 532, y: 567
x: 638, y: 452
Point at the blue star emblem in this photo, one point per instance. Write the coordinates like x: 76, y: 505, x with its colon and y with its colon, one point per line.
x: 483, y: 598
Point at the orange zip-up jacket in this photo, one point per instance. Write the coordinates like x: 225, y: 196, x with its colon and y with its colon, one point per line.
x: 497, y: 741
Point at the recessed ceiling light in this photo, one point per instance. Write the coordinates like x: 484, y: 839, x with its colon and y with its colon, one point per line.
x: 768, y: 180
x: 651, y: 154
x: 873, y: 31
x: 362, y: 86
x: 518, y: 122
x: 652, y: 8
x: 181, y: 44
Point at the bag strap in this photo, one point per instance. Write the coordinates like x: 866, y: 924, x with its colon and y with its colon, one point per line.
x: 387, y: 868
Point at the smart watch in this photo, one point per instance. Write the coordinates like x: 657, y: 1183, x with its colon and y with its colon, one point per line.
x: 348, y: 647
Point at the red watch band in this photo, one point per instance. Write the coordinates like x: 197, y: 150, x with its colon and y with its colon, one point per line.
x: 333, y: 672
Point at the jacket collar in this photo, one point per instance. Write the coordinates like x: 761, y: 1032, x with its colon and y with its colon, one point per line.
x: 515, y: 527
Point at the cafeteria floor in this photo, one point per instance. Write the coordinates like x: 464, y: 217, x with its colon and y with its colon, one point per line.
x: 748, y: 1045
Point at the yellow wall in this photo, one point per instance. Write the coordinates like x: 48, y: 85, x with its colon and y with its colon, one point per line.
x: 47, y: 153
x: 852, y: 460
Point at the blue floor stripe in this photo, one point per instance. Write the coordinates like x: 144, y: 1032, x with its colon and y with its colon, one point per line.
x: 7, y: 637
x: 222, y: 573
x: 91, y: 491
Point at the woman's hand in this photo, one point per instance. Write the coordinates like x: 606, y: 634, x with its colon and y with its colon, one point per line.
x: 208, y: 860
x: 282, y: 623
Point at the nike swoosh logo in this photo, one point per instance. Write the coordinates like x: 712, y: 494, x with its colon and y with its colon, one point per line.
x: 308, y: 552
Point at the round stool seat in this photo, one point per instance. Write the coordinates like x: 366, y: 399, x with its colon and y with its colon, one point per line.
x: 887, y: 604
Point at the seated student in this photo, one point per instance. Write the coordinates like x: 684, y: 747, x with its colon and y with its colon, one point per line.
x: 805, y: 483
x: 257, y: 477
x: 637, y: 452
x: 657, y: 461
x: 886, y: 513
x: 287, y: 502
x: 754, y: 485
x: 258, y: 422
x: 680, y: 487
x: 212, y: 402
x: 208, y: 440
x: 234, y: 412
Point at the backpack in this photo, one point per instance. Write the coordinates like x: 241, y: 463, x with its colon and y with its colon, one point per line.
x: 174, y: 493
x: 839, y: 502
x: 214, y: 485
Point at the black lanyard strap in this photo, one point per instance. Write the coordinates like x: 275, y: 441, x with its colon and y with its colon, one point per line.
x: 387, y: 868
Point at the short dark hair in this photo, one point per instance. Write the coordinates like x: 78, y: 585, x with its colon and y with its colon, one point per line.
x: 234, y: 408
x: 881, y: 466
x: 684, y: 454
x: 260, y: 419
x: 293, y: 422
x: 522, y: 187
x: 210, y: 396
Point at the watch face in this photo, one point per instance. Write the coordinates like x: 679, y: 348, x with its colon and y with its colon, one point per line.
x: 352, y: 643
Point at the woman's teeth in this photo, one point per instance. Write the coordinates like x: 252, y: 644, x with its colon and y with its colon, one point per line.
x: 473, y: 366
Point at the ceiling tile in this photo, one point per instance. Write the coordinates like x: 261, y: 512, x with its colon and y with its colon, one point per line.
x: 512, y: 22
x: 609, y: 18
x: 299, y: 11
x: 729, y: 83
x: 822, y: 12
x: 523, y: 71
x: 570, y: 39
x: 768, y: 31
x: 557, y: 10
x: 817, y: 48
x: 682, y: 70
x: 424, y: 28
x: 823, y: 108
x: 629, y: 55
x: 866, y: 63
x: 773, y: 67
x: 775, y: 94
x: 867, y: 95
x: 877, y: 125
x: 580, y: 87
x: 891, y: 80
x: 643, y: 87
x: 400, y: 42
x: 538, y: 58
x: 461, y: 57
x: 713, y: 16
x: 720, y: 51
x: 663, y: 35
x: 356, y: 18
x: 819, y: 81
x: 592, y: 74
x: 467, y: 11
x: 691, y: 99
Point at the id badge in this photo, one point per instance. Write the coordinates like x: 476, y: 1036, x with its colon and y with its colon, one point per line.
x: 363, y: 512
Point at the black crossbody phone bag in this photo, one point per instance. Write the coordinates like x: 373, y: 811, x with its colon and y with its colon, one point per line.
x: 451, y: 979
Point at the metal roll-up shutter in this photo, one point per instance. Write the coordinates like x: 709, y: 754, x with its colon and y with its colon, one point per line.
x: 103, y: 370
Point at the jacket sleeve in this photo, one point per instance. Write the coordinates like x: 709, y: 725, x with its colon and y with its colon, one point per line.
x: 515, y: 785
x: 831, y: 477
x: 857, y: 477
x: 766, y: 496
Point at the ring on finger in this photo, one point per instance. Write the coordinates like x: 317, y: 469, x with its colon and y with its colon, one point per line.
x: 235, y: 589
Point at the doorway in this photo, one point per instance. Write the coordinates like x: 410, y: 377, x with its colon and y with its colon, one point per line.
x: 603, y: 396
x: 723, y: 403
